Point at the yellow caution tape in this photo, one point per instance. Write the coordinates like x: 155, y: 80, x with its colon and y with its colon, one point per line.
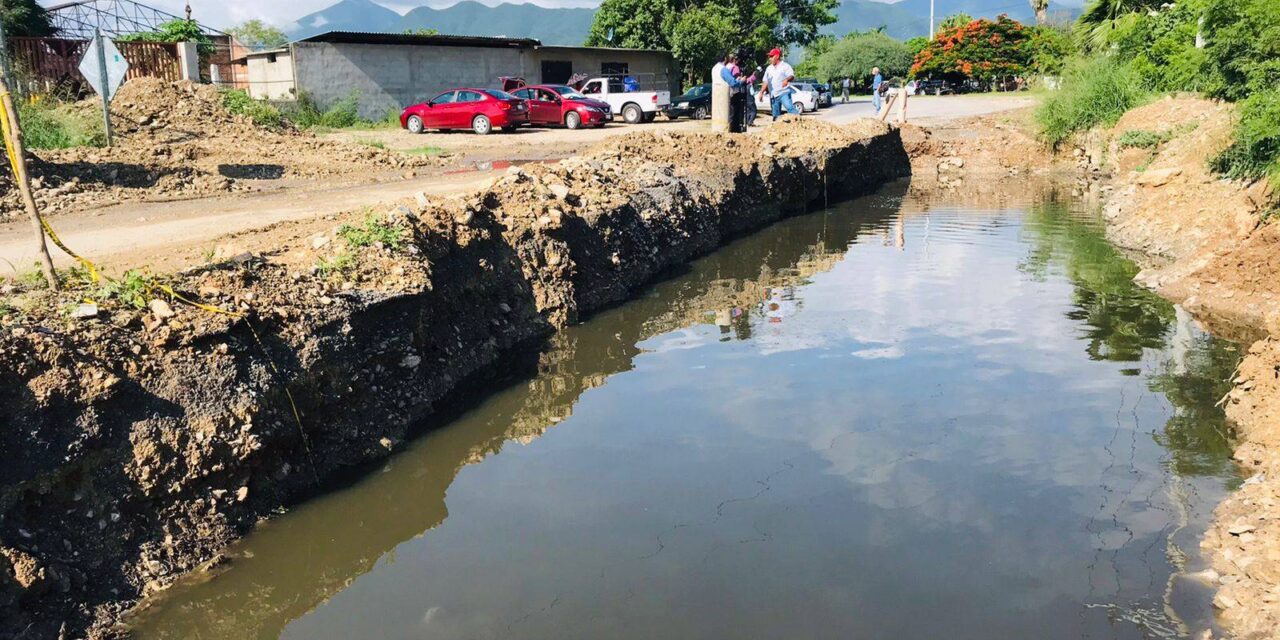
x: 153, y: 285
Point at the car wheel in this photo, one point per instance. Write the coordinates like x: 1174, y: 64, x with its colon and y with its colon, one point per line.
x: 650, y: 117
x: 800, y: 108
x: 632, y: 113
x: 572, y: 120
x: 415, y: 125
x: 481, y: 125
x: 700, y: 113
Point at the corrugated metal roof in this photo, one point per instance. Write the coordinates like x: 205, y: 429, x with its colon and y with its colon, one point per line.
x: 358, y: 37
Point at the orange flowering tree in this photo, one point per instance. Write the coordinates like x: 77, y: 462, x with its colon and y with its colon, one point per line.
x: 981, y: 49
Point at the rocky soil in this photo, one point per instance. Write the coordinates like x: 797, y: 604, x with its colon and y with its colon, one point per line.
x: 1212, y: 250
x: 175, y: 140
x: 146, y: 433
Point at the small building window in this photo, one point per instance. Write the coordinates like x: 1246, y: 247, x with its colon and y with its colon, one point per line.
x: 271, y: 58
x: 614, y: 68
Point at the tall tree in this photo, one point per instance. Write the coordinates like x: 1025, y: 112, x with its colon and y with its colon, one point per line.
x: 953, y: 21
x: 755, y: 25
x: 25, y: 18
x: 1041, y: 7
x: 258, y: 35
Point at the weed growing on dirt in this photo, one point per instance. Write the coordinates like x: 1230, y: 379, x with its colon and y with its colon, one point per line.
x: 372, y: 231
x: 1140, y: 139
x: 33, y: 279
x: 340, y: 263
x: 1256, y: 150
x: 130, y: 289
x: 425, y: 151
x: 369, y: 142
x: 343, y: 114
x: 262, y: 113
x: 1094, y: 92
x: 47, y: 124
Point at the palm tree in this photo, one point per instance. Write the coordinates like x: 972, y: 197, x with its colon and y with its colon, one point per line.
x: 1041, y: 7
x: 1100, y: 17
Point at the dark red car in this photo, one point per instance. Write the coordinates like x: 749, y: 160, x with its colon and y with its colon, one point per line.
x: 557, y: 104
x: 480, y: 110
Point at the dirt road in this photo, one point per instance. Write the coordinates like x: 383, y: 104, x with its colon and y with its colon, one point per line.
x: 173, y: 235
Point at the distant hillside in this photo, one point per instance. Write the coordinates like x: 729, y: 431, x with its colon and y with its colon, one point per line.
x: 347, y: 15
x: 905, y: 19
x: 551, y: 26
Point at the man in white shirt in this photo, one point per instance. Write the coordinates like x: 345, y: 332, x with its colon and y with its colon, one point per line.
x: 777, y: 84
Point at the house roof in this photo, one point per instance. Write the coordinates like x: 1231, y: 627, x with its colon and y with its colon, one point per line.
x: 359, y: 37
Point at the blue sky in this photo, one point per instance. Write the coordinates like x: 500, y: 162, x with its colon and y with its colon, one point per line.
x: 225, y: 13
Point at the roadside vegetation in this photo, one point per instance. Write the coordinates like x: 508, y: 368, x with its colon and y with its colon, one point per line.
x: 305, y: 113
x: 51, y: 124
x: 1130, y: 52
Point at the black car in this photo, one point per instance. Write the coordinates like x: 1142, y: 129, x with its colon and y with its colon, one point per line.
x: 934, y: 87
x: 824, y: 94
x: 694, y: 103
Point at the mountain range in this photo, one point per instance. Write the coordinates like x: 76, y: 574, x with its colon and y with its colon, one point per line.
x: 903, y: 19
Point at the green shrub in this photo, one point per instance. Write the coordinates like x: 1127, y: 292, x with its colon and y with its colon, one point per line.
x: 1243, y: 46
x: 342, y: 114
x: 1096, y: 91
x: 262, y: 113
x: 1256, y: 150
x: 49, y: 125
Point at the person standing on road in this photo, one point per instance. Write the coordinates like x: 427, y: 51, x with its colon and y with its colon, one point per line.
x: 876, y: 81
x: 844, y: 84
x: 777, y: 84
x: 724, y: 78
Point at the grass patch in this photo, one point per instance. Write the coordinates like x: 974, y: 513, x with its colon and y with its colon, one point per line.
x: 369, y: 142
x: 343, y: 114
x: 1255, y: 153
x: 1141, y: 139
x: 338, y: 264
x: 47, y: 124
x: 372, y: 231
x: 1094, y: 92
x: 425, y: 151
x: 261, y: 112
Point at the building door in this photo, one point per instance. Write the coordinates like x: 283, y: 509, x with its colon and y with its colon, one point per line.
x: 556, y: 71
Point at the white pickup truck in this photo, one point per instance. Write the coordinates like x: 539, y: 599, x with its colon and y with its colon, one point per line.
x: 635, y: 106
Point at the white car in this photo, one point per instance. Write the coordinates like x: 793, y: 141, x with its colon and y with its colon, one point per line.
x: 803, y: 95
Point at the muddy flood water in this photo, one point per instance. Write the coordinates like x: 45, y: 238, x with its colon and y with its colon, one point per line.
x: 894, y: 419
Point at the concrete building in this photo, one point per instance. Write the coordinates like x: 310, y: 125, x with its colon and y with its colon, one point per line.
x: 392, y: 71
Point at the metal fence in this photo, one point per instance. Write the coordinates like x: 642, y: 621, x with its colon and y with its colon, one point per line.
x: 46, y: 64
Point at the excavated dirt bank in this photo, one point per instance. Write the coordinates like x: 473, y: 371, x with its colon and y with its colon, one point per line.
x: 142, y: 440
x: 175, y: 140
x: 1213, y: 252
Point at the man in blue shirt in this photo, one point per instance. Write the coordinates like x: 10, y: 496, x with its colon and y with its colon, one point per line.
x: 875, y: 88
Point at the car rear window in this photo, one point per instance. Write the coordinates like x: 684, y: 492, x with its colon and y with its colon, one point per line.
x: 501, y: 95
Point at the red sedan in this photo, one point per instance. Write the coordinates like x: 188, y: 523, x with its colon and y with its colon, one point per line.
x: 560, y: 104
x: 480, y: 110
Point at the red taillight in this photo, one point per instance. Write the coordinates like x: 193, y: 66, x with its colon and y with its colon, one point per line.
x: 505, y: 105
x: 655, y: 97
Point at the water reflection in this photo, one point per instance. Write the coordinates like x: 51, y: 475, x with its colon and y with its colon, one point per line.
x: 896, y: 419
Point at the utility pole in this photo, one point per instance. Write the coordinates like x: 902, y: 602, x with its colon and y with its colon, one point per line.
x: 931, y: 32
x: 106, y: 89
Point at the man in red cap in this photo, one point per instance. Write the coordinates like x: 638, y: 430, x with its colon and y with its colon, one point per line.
x: 777, y: 84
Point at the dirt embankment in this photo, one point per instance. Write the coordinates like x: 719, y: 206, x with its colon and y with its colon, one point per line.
x: 175, y: 140
x: 1213, y: 252
x: 141, y: 440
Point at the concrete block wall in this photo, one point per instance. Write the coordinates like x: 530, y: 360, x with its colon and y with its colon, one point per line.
x: 390, y: 77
